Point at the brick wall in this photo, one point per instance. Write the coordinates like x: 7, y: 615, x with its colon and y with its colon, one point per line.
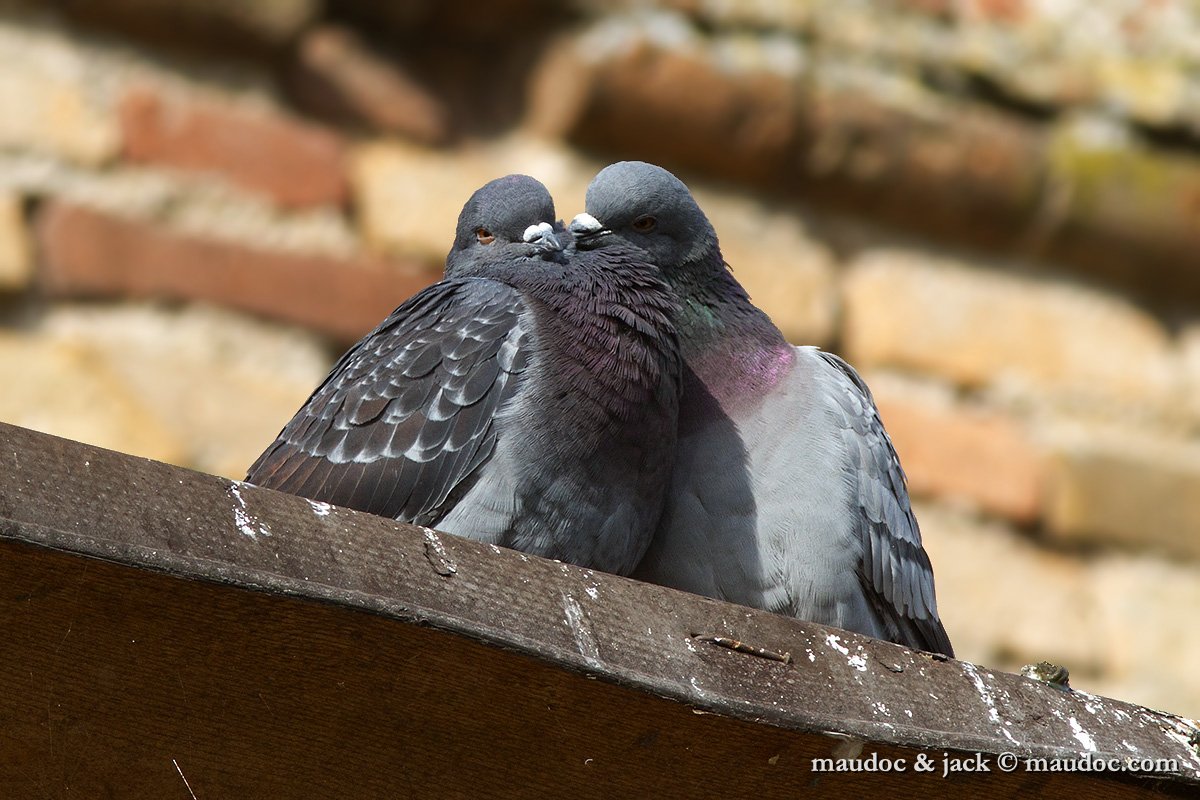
x: 991, y: 208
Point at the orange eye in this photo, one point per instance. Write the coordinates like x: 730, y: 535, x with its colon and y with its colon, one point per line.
x: 645, y: 223
x: 484, y: 236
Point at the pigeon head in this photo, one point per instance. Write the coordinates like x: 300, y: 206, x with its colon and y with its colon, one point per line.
x: 649, y: 207
x: 506, y: 218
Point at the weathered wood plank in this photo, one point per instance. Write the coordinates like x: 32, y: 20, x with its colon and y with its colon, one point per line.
x: 161, y: 624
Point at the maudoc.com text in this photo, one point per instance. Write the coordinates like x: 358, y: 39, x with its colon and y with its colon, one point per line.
x: 947, y: 764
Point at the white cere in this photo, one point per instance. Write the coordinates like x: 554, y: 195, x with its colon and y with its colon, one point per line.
x: 536, y: 231
x: 584, y: 223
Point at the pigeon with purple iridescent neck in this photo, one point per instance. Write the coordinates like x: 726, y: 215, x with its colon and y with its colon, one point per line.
x: 787, y: 494
x: 528, y: 400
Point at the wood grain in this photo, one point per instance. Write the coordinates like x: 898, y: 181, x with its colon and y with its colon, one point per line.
x: 157, y: 644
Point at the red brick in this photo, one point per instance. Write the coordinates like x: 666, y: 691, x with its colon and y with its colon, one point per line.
x: 741, y: 126
x: 90, y: 253
x: 337, y: 76
x: 980, y: 456
x: 296, y: 163
x: 1008, y: 11
x: 199, y: 25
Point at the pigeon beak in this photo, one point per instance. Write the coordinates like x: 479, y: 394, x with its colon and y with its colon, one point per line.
x: 587, y: 229
x: 543, y: 238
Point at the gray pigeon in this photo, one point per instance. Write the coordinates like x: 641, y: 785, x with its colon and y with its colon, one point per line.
x: 787, y: 493
x: 528, y: 400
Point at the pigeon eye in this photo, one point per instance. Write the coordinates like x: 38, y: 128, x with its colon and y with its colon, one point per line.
x: 484, y: 236
x: 645, y: 223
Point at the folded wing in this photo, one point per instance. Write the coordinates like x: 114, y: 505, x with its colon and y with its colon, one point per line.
x: 405, y: 420
x: 895, y: 572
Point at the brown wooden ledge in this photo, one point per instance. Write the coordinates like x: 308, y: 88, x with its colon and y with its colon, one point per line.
x: 173, y: 634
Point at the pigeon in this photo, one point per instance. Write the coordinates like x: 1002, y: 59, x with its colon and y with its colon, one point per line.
x: 787, y: 493
x: 528, y: 400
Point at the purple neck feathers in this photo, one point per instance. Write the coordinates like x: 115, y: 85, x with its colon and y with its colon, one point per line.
x: 730, y: 344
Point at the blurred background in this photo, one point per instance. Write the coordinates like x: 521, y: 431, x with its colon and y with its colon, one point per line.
x: 991, y: 207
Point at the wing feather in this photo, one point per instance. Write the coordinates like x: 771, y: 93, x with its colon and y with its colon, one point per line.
x: 896, y: 573
x: 407, y: 416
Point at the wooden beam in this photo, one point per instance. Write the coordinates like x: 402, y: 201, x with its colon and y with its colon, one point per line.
x: 167, y: 632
